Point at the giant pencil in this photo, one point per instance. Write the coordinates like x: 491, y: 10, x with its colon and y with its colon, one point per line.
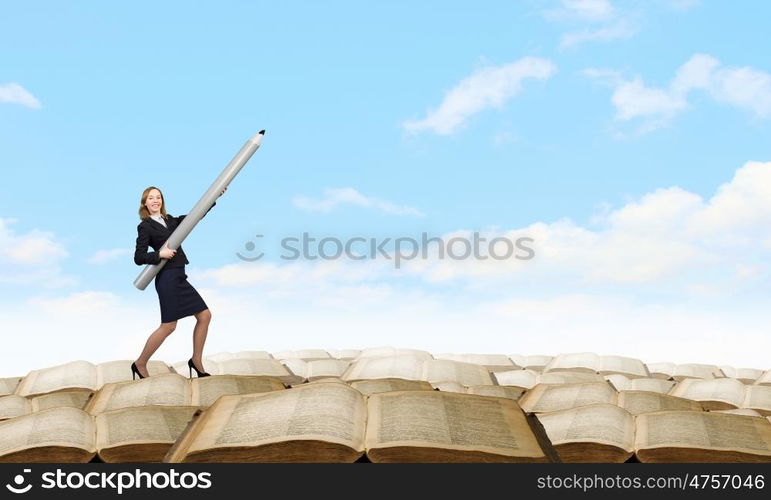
x: 203, y: 206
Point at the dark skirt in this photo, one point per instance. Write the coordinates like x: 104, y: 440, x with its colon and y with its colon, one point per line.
x: 178, y: 298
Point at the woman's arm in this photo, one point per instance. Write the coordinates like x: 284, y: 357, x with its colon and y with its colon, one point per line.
x: 141, y: 255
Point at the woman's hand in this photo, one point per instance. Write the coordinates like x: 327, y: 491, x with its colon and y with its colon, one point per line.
x: 166, y: 252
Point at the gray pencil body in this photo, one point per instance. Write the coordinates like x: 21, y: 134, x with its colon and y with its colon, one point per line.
x: 203, y: 205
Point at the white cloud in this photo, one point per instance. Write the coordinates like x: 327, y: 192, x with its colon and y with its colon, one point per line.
x: 585, y: 10
x: 350, y: 196
x: 13, y: 93
x: 746, y: 88
x: 33, y: 257
x: 489, y: 87
x: 105, y: 256
x: 618, y: 30
x: 593, y: 20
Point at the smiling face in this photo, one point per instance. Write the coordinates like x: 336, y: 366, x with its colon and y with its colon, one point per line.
x: 154, y: 202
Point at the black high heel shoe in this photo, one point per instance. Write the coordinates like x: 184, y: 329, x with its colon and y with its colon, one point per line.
x: 135, y: 372
x: 191, y: 367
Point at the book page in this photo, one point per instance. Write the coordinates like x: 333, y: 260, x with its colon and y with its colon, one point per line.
x: 296, y: 366
x: 304, y: 354
x: 120, y: 371
x: 663, y: 369
x: 568, y: 377
x: 618, y: 381
x: 70, y: 375
x: 329, y: 412
x: 708, y: 430
x: 747, y: 375
x: 76, y: 398
x: 535, y: 362
x: 489, y: 361
x: 390, y: 384
x: 449, y: 387
x: 619, y: 364
x: 696, y: 370
x: 520, y: 378
x: 637, y: 402
x: 764, y: 379
x: 14, y: 406
x: 651, y: 385
x: 206, y: 390
x: 740, y: 411
x: 143, y: 424
x: 369, y: 368
x: 577, y: 361
x: 8, y: 385
x: 496, y: 391
x: 445, y: 370
x: 326, y: 368
x: 381, y: 352
x: 170, y: 389
x: 344, y: 354
x: 265, y: 367
x: 222, y: 356
x: 68, y: 427
x: 451, y: 421
x: 598, y: 423
x: 758, y: 397
x: 546, y: 397
x: 726, y: 390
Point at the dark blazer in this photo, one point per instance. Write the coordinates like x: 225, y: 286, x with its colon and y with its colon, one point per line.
x: 151, y: 233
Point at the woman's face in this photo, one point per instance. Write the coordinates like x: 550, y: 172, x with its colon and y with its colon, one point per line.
x: 154, y: 201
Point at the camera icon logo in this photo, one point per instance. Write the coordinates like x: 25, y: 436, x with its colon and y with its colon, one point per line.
x: 19, y: 480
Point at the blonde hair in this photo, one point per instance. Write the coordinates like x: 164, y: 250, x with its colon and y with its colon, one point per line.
x: 143, y: 212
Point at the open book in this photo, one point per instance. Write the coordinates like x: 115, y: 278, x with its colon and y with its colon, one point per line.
x: 174, y: 390
x: 316, y: 369
x: 411, y: 367
x: 303, y: 354
x: 667, y: 370
x: 81, y: 375
x: 66, y: 434
x: 535, y: 362
x: 368, y: 387
x: 694, y: 436
x: 547, y: 397
x: 652, y: 384
x: 491, y: 362
x: 591, y: 362
x: 57, y: 435
x: 528, y: 379
x: 344, y: 354
x: 15, y: 406
x: 333, y: 422
x: 380, y: 352
x: 744, y: 375
x: 725, y: 393
x: 267, y: 367
x: 607, y: 433
x: 8, y: 385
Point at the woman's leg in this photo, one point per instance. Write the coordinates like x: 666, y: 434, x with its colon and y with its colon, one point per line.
x: 153, y: 343
x: 202, y: 320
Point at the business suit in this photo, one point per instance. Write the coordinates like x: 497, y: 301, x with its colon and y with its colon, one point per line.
x: 176, y: 295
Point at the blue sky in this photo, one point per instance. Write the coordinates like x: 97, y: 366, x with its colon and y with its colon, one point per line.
x: 560, y: 120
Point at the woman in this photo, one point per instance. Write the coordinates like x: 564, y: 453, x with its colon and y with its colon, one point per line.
x: 177, y: 297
